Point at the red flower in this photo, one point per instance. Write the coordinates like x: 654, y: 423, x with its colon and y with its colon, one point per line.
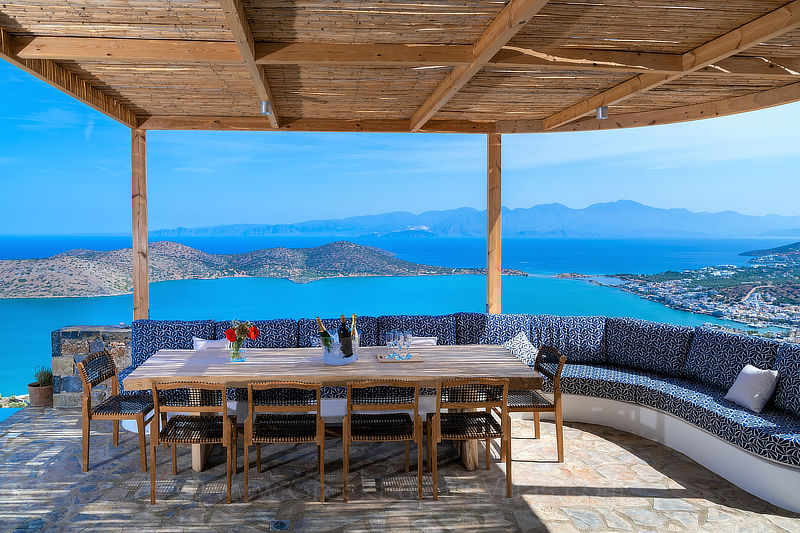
x: 230, y: 334
x: 253, y: 333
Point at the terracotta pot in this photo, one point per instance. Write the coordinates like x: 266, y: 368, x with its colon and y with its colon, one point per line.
x: 40, y: 395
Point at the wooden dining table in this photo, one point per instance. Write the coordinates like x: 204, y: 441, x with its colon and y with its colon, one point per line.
x: 307, y: 364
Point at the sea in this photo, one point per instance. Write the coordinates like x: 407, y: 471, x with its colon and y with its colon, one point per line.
x: 25, y: 324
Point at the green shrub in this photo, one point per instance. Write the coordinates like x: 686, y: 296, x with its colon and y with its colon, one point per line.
x: 44, y: 376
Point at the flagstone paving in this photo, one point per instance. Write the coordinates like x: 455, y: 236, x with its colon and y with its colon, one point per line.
x: 611, y: 481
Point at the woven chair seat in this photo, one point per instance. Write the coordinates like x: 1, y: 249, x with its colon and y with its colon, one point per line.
x: 469, y: 425
x: 528, y: 399
x: 124, y: 405
x: 187, y: 429
x: 381, y: 427
x: 285, y: 428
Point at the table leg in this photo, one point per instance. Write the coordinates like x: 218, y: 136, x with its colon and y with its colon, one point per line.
x: 200, y: 453
x: 468, y: 449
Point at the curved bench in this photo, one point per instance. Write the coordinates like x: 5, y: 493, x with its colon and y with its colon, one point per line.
x: 661, y: 381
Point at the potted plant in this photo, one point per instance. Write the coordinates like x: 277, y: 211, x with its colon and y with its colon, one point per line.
x: 40, y: 392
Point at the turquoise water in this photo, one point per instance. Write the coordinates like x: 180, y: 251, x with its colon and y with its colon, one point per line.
x: 5, y: 413
x: 25, y: 324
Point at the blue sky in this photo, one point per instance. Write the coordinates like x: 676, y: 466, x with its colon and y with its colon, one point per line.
x: 66, y: 168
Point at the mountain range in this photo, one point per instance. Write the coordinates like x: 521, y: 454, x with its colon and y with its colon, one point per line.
x: 620, y: 219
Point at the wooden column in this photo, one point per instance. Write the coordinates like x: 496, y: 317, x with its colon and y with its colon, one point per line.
x: 141, y: 292
x: 493, y: 225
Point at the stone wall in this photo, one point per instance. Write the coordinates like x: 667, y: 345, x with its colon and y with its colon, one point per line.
x: 72, y: 344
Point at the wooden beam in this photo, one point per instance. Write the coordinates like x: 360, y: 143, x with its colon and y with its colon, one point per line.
x: 141, y: 289
x: 239, y: 27
x: 759, y: 30
x: 382, y: 55
x: 510, y: 20
x: 136, y: 50
x: 494, y: 234
x: 730, y: 106
x: 67, y: 82
x: 257, y: 123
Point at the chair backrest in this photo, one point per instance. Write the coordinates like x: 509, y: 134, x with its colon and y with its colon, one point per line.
x: 193, y: 397
x: 467, y: 393
x: 383, y: 395
x: 549, y: 362
x: 96, y: 368
x: 283, y: 397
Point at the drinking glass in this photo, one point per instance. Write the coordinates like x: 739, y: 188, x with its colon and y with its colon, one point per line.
x: 407, y: 336
x: 391, y: 344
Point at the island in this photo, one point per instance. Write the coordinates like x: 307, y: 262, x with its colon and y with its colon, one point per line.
x: 108, y: 273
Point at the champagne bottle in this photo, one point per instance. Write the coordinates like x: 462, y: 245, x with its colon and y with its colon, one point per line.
x: 354, y: 333
x: 324, y: 337
x: 345, y: 340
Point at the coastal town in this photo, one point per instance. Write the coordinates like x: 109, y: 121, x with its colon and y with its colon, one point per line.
x: 763, y: 294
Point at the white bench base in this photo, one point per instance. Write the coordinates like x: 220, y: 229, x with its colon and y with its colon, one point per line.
x: 776, y: 483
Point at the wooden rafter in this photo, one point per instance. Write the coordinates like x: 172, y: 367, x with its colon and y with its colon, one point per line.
x: 239, y: 27
x: 63, y: 80
x: 310, y: 124
x: 759, y: 30
x: 382, y: 55
x: 510, y: 20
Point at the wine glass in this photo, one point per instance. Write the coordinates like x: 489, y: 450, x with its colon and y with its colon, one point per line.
x: 407, y: 336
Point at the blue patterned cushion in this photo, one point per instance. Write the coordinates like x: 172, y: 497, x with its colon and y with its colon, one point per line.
x: 501, y: 328
x: 581, y: 339
x: 773, y: 433
x: 279, y: 333
x: 469, y: 327
x: 520, y: 346
x: 308, y: 330
x: 787, y: 392
x: 647, y: 345
x: 442, y: 327
x: 149, y: 336
x: 716, y: 357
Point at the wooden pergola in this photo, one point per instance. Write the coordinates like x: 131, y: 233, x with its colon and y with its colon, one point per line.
x: 450, y: 66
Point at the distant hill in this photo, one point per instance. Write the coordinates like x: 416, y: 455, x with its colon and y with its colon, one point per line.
x: 621, y: 219
x: 91, y: 273
x: 788, y: 250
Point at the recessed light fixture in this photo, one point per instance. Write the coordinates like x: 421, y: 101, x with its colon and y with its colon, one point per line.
x: 602, y: 112
x: 266, y: 107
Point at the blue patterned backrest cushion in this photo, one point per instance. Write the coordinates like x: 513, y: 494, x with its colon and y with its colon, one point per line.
x: 648, y: 345
x: 307, y: 330
x: 469, y: 327
x: 787, y: 392
x: 580, y: 339
x: 149, y: 336
x: 502, y: 328
x: 442, y: 327
x: 278, y: 333
x: 716, y: 357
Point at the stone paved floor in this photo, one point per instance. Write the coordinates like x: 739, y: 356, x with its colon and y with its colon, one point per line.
x: 611, y: 481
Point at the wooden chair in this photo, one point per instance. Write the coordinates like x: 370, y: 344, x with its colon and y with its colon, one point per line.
x: 549, y: 362
x: 467, y: 395
x: 208, y: 423
x: 94, y: 370
x: 280, y: 412
x: 363, y: 424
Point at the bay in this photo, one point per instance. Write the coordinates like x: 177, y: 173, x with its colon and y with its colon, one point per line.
x: 25, y: 324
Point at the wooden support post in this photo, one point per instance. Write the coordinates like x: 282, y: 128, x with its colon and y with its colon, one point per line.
x: 141, y: 293
x: 493, y: 225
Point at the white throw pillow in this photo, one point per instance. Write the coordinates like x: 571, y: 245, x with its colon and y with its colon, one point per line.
x: 424, y: 341
x: 205, y: 344
x: 753, y: 388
